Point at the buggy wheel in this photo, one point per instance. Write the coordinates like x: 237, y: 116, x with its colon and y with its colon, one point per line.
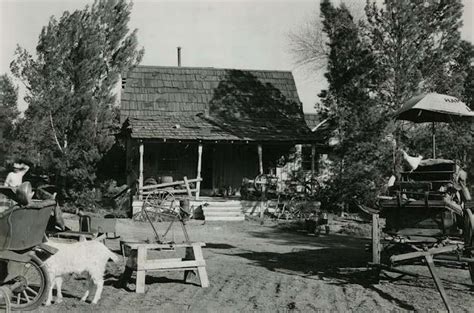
x: 30, y: 288
x: 468, y: 233
x: 158, y: 205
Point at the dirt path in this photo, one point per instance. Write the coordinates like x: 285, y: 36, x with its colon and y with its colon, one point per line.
x: 259, y: 268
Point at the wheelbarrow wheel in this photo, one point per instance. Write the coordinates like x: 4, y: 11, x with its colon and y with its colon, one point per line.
x: 30, y: 288
x: 468, y: 233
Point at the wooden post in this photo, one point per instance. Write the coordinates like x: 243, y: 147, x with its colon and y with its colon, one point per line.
x: 197, y: 251
x: 439, y: 285
x: 198, y: 183
x: 313, y: 159
x: 128, y: 162
x: 186, y: 184
x: 260, y: 170
x: 375, y: 239
x: 140, y: 171
x: 189, y: 255
x: 130, y: 172
x: 141, y: 272
x: 299, y: 154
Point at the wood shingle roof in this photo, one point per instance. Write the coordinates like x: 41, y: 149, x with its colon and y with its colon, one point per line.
x: 181, y: 103
x: 202, y: 128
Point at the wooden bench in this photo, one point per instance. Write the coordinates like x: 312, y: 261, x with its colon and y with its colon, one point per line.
x: 193, y: 261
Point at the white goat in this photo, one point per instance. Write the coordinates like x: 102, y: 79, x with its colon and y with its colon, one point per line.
x: 84, y: 256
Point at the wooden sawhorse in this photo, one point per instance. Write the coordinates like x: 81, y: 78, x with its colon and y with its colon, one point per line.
x: 193, y: 261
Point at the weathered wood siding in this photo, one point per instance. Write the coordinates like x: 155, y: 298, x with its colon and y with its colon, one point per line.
x: 232, y: 163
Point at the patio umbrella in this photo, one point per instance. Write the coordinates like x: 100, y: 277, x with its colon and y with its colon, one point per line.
x: 434, y: 107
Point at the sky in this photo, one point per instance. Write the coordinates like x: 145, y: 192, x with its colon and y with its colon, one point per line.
x: 239, y: 34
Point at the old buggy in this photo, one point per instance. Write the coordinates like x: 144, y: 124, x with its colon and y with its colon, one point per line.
x: 426, y: 216
x: 429, y: 212
x: 23, y: 279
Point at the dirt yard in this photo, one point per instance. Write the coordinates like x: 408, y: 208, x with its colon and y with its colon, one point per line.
x: 262, y: 268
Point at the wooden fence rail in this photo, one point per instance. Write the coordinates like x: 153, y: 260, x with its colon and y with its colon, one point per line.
x: 169, y: 187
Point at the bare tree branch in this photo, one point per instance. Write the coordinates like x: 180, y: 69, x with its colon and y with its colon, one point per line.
x: 308, y: 43
x: 54, y: 133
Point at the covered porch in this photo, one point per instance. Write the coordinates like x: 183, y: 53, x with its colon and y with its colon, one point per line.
x: 221, y: 165
x: 217, y: 153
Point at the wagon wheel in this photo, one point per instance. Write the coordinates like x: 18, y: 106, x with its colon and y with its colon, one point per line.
x: 30, y: 288
x: 259, y: 182
x: 158, y: 205
x: 166, y: 208
x: 468, y: 233
x: 312, y: 186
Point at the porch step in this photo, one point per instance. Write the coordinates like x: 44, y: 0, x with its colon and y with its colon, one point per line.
x: 223, y: 210
x: 223, y: 204
x: 222, y: 213
x: 225, y: 218
x: 219, y: 199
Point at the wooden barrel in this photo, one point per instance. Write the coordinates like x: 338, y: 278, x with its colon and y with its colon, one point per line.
x: 166, y: 179
x: 150, y: 181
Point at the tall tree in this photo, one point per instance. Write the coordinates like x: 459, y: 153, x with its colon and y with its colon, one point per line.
x: 357, y: 117
x: 8, y: 114
x: 466, y: 62
x: 417, y: 43
x: 419, y: 49
x: 72, y: 112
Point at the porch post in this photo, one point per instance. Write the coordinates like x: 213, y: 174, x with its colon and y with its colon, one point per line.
x: 376, y: 247
x: 260, y: 159
x: 198, y: 183
x: 260, y: 168
x: 313, y: 157
x: 128, y: 162
x: 140, y: 169
x: 299, y: 153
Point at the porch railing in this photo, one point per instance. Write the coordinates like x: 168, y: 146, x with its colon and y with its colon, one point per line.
x: 177, y: 187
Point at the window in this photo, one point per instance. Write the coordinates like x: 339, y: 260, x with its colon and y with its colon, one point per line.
x: 306, y: 159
